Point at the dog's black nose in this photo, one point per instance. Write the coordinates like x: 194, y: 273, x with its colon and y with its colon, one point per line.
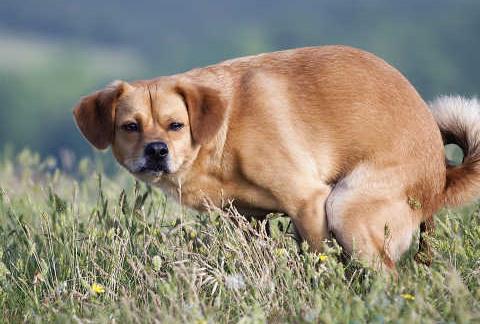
x: 156, y: 150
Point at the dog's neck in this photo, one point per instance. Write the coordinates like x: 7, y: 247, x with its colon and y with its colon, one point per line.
x: 201, y: 180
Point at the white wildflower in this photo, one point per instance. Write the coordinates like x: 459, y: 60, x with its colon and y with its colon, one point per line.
x: 235, y: 282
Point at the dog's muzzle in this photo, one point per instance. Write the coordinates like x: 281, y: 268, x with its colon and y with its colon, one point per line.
x: 156, y: 157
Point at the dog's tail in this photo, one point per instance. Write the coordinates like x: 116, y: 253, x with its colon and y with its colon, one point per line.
x: 459, y: 121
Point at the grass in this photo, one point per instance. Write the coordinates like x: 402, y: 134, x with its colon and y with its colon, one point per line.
x: 107, y: 249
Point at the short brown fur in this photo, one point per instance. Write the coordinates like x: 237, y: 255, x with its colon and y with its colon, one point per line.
x: 332, y: 136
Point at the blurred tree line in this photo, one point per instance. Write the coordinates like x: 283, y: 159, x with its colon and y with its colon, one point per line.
x: 54, y: 51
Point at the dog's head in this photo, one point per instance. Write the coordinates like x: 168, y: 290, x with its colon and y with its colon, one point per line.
x: 155, y: 128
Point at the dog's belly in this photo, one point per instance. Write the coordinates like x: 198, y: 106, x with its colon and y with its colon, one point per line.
x: 250, y: 212
x: 246, y: 196
x: 249, y: 198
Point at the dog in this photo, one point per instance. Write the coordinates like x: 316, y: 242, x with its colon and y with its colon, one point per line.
x: 332, y: 136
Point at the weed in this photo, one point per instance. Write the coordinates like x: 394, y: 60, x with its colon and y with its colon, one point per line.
x: 108, y: 249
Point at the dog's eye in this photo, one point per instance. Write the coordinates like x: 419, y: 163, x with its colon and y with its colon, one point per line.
x: 175, y: 126
x: 130, y: 127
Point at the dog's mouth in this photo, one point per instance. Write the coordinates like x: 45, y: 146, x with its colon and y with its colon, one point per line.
x: 157, y: 168
x: 147, y: 167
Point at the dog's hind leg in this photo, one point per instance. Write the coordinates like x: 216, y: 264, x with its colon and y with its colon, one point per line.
x: 309, y: 217
x: 369, y: 214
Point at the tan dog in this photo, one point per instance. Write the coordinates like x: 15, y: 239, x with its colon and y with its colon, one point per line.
x: 332, y: 136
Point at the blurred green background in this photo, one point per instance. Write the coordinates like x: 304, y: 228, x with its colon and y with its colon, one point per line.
x: 54, y: 51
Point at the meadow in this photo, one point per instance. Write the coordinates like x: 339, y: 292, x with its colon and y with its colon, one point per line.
x: 91, y: 247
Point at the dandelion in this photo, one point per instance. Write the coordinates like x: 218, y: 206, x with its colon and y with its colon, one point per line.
x: 407, y: 296
x: 322, y: 258
x: 280, y: 252
x: 235, y: 282
x: 97, y: 288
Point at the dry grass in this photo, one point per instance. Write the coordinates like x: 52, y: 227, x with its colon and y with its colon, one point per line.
x: 110, y: 250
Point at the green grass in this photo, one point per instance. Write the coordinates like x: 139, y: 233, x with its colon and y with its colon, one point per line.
x: 156, y: 261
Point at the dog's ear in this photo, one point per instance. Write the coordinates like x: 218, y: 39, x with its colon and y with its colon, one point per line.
x: 206, y: 111
x: 95, y: 114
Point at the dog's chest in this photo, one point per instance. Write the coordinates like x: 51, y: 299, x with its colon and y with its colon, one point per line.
x: 208, y: 191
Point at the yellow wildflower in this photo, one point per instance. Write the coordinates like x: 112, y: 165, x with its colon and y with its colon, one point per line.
x: 280, y: 252
x: 407, y: 296
x: 322, y: 258
x: 97, y: 288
